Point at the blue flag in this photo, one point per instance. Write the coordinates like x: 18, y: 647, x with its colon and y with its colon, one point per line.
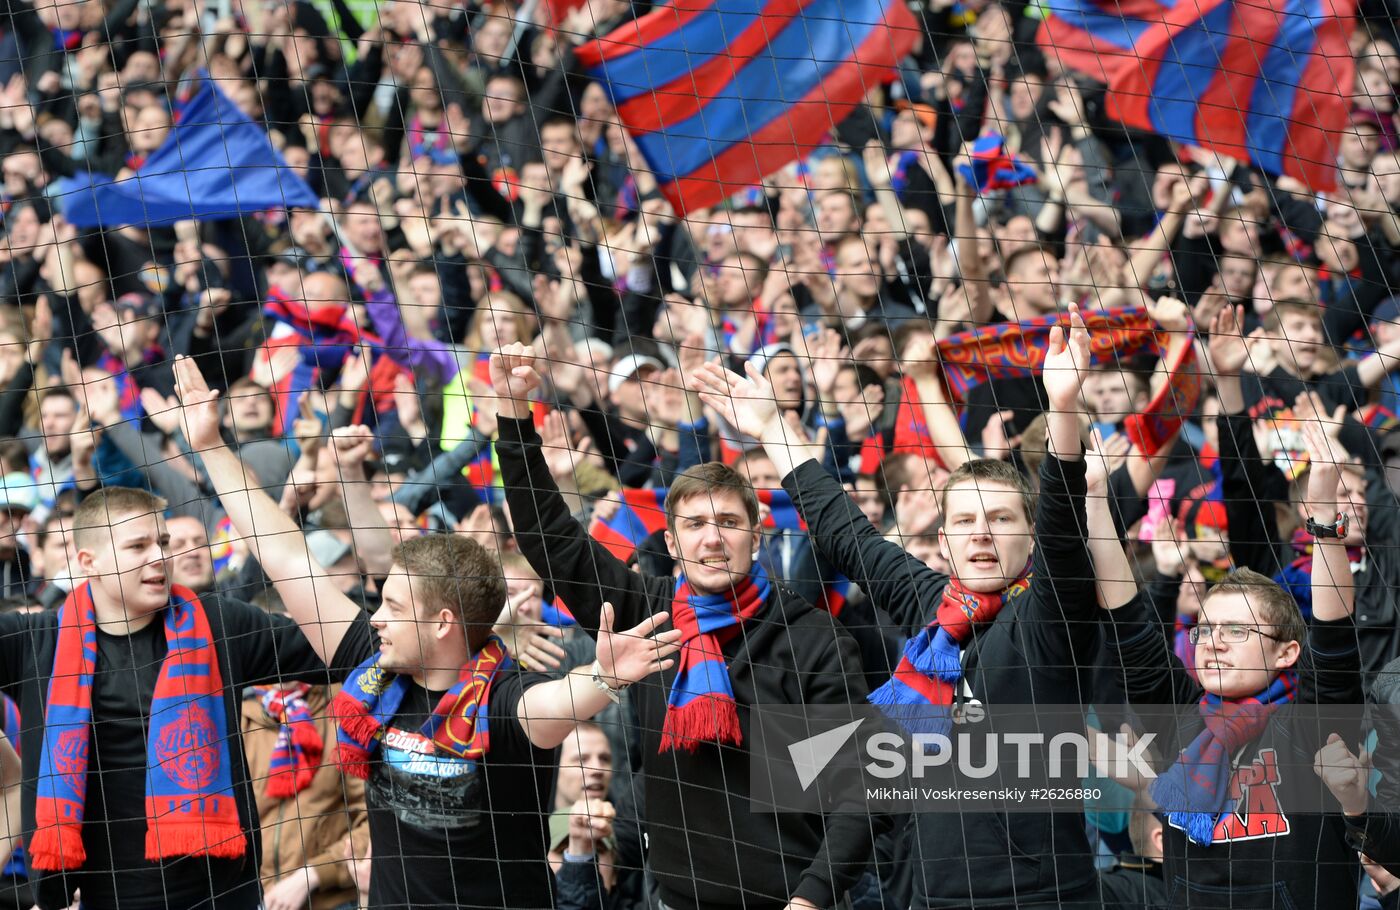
x: 216, y: 164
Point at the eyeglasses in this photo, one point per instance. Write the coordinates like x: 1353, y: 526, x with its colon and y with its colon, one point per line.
x: 1230, y: 633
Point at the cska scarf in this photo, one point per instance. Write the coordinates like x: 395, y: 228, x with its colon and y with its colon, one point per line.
x: 1195, y: 792
x: 929, y: 671
x: 701, y: 707
x: 190, y: 807
x: 459, y: 726
x: 297, y: 753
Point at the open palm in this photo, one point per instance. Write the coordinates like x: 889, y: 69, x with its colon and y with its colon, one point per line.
x: 747, y: 403
x: 1067, y: 362
x: 199, y: 406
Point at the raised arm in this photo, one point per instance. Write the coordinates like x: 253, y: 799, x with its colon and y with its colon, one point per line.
x: 895, y: 581
x: 1112, y: 571
x: 1064, y: 588
x: 313, y: 601
x: 576, y: 567
x: 405, y: 350
x: 374, y: 545
x: 1333, y: 590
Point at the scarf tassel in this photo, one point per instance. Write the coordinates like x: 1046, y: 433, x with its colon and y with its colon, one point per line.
x: 1199, y: 826
x: 706, y: 719
x: 354, y: 718
x: 353, y: 760
x: 56, y: 848
x: 166, y: 839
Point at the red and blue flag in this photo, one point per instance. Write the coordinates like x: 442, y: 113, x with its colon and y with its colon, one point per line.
x: 1268, y: 83
x: 720, y: 94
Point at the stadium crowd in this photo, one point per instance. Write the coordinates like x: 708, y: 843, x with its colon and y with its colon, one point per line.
x: 328, y: 576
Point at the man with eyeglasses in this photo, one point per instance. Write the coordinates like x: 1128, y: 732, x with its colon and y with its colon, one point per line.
x: 1232, y: 836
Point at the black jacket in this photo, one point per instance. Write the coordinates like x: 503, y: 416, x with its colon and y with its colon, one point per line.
x: 707, y: 844
x: 1038, y: 650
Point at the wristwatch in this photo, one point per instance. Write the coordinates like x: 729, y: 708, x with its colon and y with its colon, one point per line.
x: 1334, y: 531
x: 614, y: 695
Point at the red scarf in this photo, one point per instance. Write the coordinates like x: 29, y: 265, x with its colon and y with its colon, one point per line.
x: 297, y: 753
x: 701, y: 707
x: 931, y: 667
x: 190, y: 807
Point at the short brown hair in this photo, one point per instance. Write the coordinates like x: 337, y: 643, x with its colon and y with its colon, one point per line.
x: 1273, y: 606
x: 990, y: 470
x: 453, y: 572
x: 1273, y: 320
x: 706, y: 480
x: 101, y: 509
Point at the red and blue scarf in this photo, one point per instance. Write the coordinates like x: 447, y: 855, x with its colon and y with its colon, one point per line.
x: 1195, y: 792
x: 701, y: 707
x: 297, y: 753
x: 928, y: 673
x: 190, y: 807
x: 460, y: 724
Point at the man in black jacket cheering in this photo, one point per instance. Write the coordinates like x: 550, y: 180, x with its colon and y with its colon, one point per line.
x: 1018, y: 612
x: 745, y: 641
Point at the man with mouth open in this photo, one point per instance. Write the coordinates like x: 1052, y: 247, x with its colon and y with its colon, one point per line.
x: 746, y: 640
x: 1017, y: 618
x: 454, y: 742
x: 137, y: 790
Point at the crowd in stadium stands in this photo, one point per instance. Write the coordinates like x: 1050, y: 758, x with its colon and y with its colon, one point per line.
x: 430, y: 547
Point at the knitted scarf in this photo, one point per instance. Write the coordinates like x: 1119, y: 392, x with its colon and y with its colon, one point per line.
x: 190, y: 807
x: 297, y: 753
x: 459, y: 725
x: 1195, y: 791
x: 701, y: 706
x: 931, y: 667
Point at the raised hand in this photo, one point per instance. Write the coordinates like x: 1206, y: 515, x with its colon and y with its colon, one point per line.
x: 199, y: 406
x: 1229, y: 351
x: 352, y: 446
x: 514, y: 378
x: 590, y: 822
x: 1067, y: 362
x: 747, y: 403
x: 631, y: 656
x: 1171, y: 314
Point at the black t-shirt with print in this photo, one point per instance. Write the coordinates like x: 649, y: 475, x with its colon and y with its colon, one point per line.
x: 123, y: 689
x: 451, y: 833
x: 1273, y: 396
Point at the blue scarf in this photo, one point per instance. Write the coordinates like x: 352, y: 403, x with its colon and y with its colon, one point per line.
x: 1195, y: 792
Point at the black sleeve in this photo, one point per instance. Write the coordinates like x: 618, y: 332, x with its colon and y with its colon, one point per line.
x: 345, y: 20
x: 1249, y: 501
x: 1331, y: 665
x: 271, y: 648
x: 1196, y: 266
x: 14, y: 638
x: 576, y: 567
x: 1062, y: 609
x: 1152, y: 674
x: 12, y: 400
x: 894, y: 581
x: 577, y: 886
x: 1377, y: 834
x: 1124, y: 502
x: 483, y: 192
